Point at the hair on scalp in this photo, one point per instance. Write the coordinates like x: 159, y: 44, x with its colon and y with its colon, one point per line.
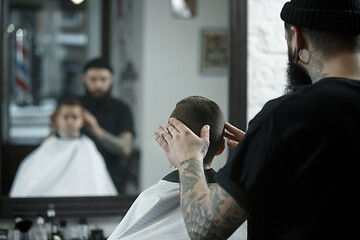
x: 97, y: 63
x: 69, y: 102
x: 330, y: 43
x: 197, y: 111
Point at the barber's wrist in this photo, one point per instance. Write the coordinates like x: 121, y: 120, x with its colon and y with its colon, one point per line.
x: 187, y: 162
x: 99, y: 133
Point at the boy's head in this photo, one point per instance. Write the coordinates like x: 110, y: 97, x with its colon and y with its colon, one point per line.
x: 68, y: 118
x: 197, y: 111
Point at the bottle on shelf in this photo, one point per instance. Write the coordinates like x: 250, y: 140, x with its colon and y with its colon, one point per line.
x: 97, y: 234
x: 24, y: 227
x: 16, y: 232
x: 39, y: 230
x: 53, y: 227
x: 64, y: 230
x: 84, y: 229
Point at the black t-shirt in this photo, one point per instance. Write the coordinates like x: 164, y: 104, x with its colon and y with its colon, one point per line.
x: 115, y: 117
x: 294, y: 172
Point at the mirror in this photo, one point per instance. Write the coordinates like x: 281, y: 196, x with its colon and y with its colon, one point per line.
x: 46, y: 45
x: 116, y: 52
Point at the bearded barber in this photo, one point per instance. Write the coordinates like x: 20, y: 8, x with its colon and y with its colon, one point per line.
x: 294, y: 174
x: 108, y: 121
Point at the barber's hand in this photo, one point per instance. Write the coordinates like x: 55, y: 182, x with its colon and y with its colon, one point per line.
x: 180, y: 144
x: 92, y: 124
x: 233, y: 134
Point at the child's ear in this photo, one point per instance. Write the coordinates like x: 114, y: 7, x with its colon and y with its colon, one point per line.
x: 53, y: 117
x: 53, y: 123
x: 222, y: 147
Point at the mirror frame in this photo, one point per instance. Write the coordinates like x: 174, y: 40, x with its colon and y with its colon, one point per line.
x: 112, y: 206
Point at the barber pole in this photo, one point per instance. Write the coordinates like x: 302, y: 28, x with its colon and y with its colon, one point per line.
x: 22, y: 68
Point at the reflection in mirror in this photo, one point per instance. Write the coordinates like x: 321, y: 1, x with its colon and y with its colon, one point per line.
x: 66, y: 163
x: 47, y: 44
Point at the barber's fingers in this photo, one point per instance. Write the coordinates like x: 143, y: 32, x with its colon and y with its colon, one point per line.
x: 163, y: 138
x: 232, y: 144
x: 230, y: 136
x: 164, y: 134
x: 86, y: 115
x: 233, y: 132
x: 161, y: 141
x: 178, y: 125
x: 231, y: 128
x: 85, y: 112
x: 171, y: 129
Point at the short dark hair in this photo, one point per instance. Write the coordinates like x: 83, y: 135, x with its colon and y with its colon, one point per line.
x: 197, y: 111
x: 330, y: 43
x: 69, y: 102
x: 97, y: 63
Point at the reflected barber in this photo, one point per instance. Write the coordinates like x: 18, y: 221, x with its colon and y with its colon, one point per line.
x: 108, y: 121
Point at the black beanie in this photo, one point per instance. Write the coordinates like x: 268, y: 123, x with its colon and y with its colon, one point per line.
x: 97, y: 63
x: 326, y: 15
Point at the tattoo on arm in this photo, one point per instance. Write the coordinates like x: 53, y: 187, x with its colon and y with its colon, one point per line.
x: 203, y: 150
x: 183, y: 162
x: 205, y: 147
x: 118, y: 145
x: 209, y: 213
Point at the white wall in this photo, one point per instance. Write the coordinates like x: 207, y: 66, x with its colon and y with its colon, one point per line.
x: 170, y: 72
x: 126, y: 46
x: 267, y: 53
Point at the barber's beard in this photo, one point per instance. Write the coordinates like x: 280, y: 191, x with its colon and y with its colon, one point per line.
x: 98, y: 98
x: 296, y: 75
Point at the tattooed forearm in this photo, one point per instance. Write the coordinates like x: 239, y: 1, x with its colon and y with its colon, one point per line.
x: 120, y: 145
x: 203, y: 150
x: 209, y: 213
x: 183, y: 162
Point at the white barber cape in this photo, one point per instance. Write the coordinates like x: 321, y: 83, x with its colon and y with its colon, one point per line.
x: 156, y: 214
x: 63, y: 167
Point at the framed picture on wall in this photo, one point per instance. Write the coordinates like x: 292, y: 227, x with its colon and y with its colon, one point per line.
x: 214, y: 46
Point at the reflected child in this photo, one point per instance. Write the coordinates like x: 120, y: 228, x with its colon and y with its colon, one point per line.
x: 68, y: 118
x: 66, y: 163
